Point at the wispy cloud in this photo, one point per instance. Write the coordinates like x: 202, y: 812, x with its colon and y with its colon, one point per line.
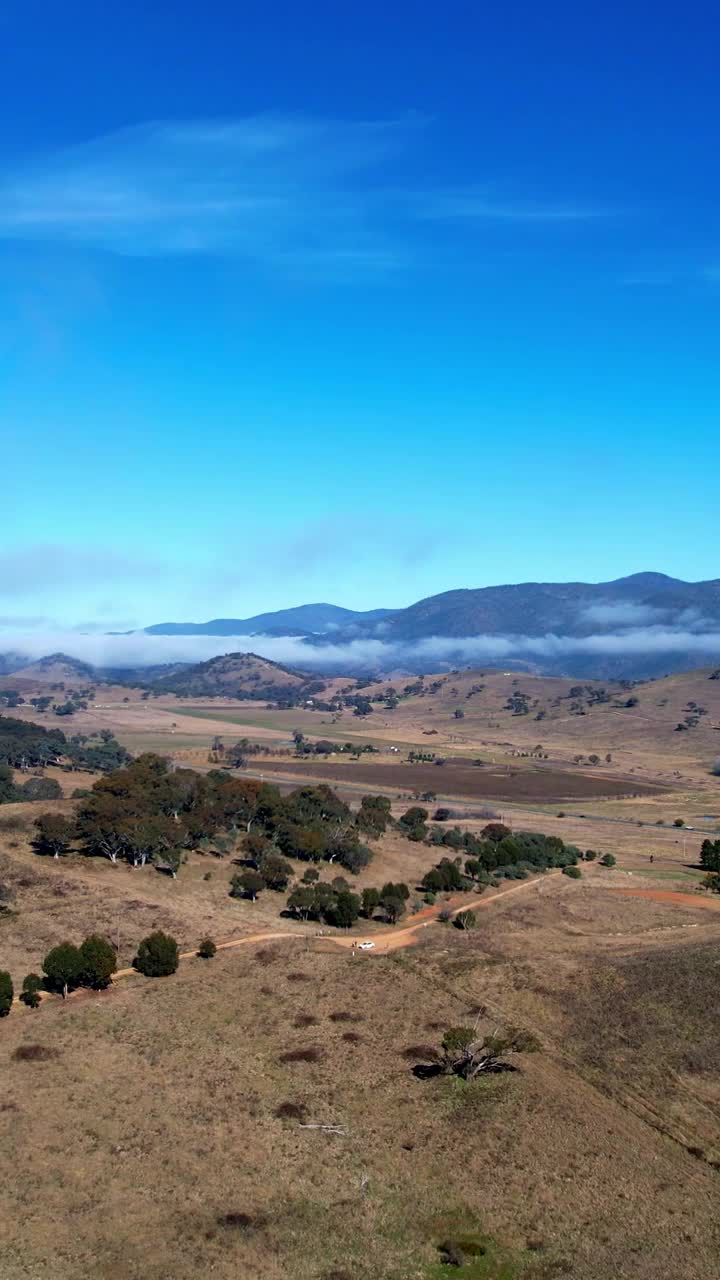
x: 293, y: 193
x: 26, y: 569
x: 478, y: 206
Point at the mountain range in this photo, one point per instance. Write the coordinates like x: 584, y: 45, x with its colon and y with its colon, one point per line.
x: 631, y: 627
x: 634, y: 627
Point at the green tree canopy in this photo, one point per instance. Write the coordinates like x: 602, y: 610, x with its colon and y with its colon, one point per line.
x: 63, y: 966
x: 157, y: 955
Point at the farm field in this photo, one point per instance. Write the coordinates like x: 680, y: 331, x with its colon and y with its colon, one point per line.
x: 454, y: 779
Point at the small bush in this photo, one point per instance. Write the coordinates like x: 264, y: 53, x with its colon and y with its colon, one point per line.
x: 421, y: 1052
x: 344, y: 1015
x: 35, y: 1053
x: 291, y: 1111
x: 608, y: 860
x: 207, y: 949
x: 31, y: 988
x: 465, y: 920
x: 241, y: 1221
x: 451, y: 1254
x: 352, y: 1037
x: 302, y: 1055
x: 305, y: 1020
x: 573, y: 872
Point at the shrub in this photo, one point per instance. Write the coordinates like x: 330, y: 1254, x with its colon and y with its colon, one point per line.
x: 157, y: 955
x: 590, y: 855
x: 291, y: 1111
x: 465, y: 920
x: 34, y: 1053
x: 6, y: 993
x: 207, y: 949
x: 608, y: 860
x: 302, y: 1055
x: 573, y: 872
x: 31, y: 988
x: 679, y: 822
x: 305, y: 1020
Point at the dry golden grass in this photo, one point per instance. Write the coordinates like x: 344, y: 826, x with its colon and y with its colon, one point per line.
x: 148, y: 1143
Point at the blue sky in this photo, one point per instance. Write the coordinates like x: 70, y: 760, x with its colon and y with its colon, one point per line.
x: 352, y: 302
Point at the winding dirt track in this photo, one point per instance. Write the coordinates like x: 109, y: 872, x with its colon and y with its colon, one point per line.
x: 672, y: 895
x: 407, y: 936
x: 382, y: 941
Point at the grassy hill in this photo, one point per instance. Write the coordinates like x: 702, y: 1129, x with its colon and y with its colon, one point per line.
x: 591, y: 1161
x: 54, y: 669
x: 565, y: 717
x: 240, y: 675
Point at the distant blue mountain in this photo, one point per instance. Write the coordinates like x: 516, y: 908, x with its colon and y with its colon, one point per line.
x: 305, y: 619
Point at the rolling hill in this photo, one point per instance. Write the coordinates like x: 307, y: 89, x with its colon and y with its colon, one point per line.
x: 240, y: 675
x: 56, y: 668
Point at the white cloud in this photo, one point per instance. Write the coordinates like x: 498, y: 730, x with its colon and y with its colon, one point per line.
x: 622, y: 614
x: 140, y: 649
x: 298, y: 194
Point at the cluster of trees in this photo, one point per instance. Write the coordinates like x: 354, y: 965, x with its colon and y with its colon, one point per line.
x: 36, y: 788
x: 335, y: 903
x: 92, y: 964
x: 98, y: 752
x: 494, y: 854
x: 324, y: 747
x: 147, y: 812
x: 27, y: 746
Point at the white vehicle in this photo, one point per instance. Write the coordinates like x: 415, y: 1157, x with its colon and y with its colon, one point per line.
x: 365, y: 946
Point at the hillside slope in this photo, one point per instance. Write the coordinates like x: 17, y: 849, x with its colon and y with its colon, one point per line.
x: 239, y: 675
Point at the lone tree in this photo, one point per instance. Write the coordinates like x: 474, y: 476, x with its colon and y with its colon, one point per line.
x: 6, y: 993
x: 608, y: 860
x: 63, y: 966
x: 31, y: 988
x: 99, y: 962
x: 468, y: 1054
x: 247, y: 885
x: 54, y: 835
x: 157, y: 955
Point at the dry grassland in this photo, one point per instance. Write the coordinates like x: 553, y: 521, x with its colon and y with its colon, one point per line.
x: 160, y: 1132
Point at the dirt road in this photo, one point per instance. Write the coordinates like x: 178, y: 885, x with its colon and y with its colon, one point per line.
x: 382, y: 942
x: 671, y: 895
